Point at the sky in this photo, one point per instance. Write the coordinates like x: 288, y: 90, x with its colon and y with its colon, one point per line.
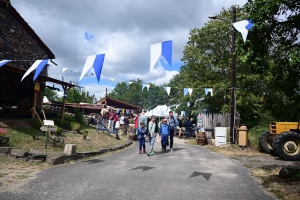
x: 122, y: 30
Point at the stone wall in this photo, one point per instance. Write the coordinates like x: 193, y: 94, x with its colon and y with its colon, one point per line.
x: 16, y: 43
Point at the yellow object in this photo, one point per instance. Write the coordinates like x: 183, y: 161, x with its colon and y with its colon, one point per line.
x: 243, y: 135
x: 279, y: 127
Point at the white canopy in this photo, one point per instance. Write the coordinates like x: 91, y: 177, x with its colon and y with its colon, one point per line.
x: 160, y: 111
x: 46, y: 100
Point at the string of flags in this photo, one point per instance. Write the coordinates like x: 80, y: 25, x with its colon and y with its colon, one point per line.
x: 96, y: 61
x: 157, y: 50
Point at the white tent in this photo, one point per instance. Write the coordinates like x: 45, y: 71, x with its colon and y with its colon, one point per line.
x: 46, y: 100
x: 160, y: 111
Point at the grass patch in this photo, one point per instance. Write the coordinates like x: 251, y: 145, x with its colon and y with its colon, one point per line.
x: 2, y: 175
x: 281, y: 188
x: 23, y: 176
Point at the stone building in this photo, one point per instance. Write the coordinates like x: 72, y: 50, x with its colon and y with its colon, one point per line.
x: 20, y: 43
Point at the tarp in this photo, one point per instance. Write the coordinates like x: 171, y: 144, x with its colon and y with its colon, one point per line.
x: 160, y: 111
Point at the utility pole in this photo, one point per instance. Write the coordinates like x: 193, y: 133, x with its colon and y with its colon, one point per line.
x: 233, y: 79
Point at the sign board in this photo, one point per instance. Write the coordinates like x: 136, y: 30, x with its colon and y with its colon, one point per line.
x: 49, y: 128
x: 48, y: 122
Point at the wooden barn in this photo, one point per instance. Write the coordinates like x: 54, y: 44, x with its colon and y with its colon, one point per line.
x: 20, y: 43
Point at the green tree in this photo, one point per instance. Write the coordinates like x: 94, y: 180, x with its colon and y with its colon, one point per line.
x: 207, y: 64
x: 50, y: 94
x: 272, y: 55
x: 134, y: 94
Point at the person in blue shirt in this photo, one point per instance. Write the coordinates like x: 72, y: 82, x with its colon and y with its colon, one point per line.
x: 142, y: 133
x: 164, y: 133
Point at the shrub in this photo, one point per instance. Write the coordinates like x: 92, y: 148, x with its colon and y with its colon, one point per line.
x: 69, y: 118
x: 79, y: 116
x: 57, y: 122
x: 75, y: 126
x: 59, y: 131
x: 66, y: 125
x: 84, y: 133
x: 35, y: 123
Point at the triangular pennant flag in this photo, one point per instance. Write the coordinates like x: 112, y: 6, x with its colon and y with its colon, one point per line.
x: 243, y: 27
x: 188, y: 104
x: 148, y: 86
x: 168, y: 90
x: 63, y: 70
x: 88, y: 64
x: 207, y: 90
x: 155, y: 52
x: 167, y: 51
x: 3, y: 62
x: 36, y: 64
x: 130, y: 82
x: 61, y: 77
x: 185, y: 91
x: 98, y: 64
x: 144, y: 85
x: 160, y: 49
x: 112, y: 79
x: 190, y: 90
x: 211, y: 91
x: 39, y: 69
x: 183, y: 113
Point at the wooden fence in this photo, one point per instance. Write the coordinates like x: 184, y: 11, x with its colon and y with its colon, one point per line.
x: 211, y: 120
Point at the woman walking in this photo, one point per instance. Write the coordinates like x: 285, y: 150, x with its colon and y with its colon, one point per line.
x: 152, y: 128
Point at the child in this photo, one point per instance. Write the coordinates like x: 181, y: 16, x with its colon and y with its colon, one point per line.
x: 164, y: 132
x: 142, y: 132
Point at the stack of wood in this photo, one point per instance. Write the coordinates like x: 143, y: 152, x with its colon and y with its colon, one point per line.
x: 201, y: 138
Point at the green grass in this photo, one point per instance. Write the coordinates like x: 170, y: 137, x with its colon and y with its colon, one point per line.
x: 2, y: 175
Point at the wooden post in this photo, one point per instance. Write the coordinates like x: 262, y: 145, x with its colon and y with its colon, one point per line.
x: 63, y: 108
x: 36, y: 91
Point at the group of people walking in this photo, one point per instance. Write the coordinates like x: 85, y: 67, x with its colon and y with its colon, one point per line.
x: 149, y: 128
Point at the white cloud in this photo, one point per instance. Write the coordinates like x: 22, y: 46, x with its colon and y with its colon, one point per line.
x: 123, y: 30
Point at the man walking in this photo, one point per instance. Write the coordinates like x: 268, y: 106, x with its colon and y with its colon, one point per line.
x: 173, y: 123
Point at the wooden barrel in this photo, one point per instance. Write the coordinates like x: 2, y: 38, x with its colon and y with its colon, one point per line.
x: 132, y: 134
x: 201, y: 138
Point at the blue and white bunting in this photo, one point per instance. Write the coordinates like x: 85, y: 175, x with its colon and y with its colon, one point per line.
x: 38, y: 65
x: 243, y: 27
x: 3, y: 62
x: 160, y: 49
x: 188, y: 104
x: 143, y: 86
x: 207, y: 90
x: 95, y: 61
x: 147, y: 86
x: 63, y: 70
x: 168, y: 90
x: 185, y: 91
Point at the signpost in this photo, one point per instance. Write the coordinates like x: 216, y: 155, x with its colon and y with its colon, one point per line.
x: 48, y: 126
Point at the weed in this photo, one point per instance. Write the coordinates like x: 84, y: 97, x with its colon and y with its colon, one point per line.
x: 23, y: 176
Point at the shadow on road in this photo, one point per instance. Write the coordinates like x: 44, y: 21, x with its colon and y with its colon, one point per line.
x: 94, y: 161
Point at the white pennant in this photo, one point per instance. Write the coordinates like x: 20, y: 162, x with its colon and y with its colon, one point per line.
x: 168, y: 89
x: 190, y: 90
x: 241, y: 27
x: 33, y: 67
x: 155, y: 52
x: 88, y: 64
x: 147, y: 85
x: 130, y: 82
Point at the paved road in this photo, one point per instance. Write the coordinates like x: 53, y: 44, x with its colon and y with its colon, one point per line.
x: 190, y: 172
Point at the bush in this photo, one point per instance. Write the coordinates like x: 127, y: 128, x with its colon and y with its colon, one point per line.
x: 75, y: 126
x: 58, y: 122
x: 254, y: 134
x: 69, y: 118
x: 35, y: 123
x: 79, y: 116
x: 66, y: 125
x: 59, y: 131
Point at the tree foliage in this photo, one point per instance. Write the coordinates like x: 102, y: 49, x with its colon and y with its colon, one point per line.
x: 272, y: 54
x: 74, y: 96
x: 134, y: 94
x: 50, y: 94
